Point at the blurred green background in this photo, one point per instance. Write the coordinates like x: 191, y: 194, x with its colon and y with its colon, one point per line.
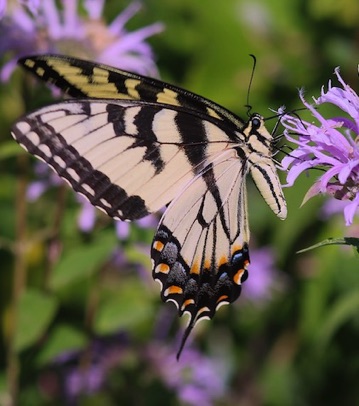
x: 299, y: 345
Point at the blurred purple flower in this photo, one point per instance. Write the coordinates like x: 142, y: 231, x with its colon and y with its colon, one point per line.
x: 2, y: 8
x: 264, y: 279
x: 195, y: 378
x: 85, y: 372
x: 45, y: 180
x: 37, y: 26
x: 87, y: 217
x: 87, y: 381
x: 123, y: 227
x: 331, y: 145
x: 123, y: 263
x: 332, y: 207
x: 31, y: 5
x: 149, y: 221
x: 40, y: 27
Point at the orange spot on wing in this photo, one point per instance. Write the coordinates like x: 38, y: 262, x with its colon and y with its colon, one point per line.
x: 162, y: 268
x: 186, y: 303
x: 173, y: 290
x: 222, y: 298
x: 158, y: 246
x: 195, y: 268
x: 238, y: 276
x: 207, y: 264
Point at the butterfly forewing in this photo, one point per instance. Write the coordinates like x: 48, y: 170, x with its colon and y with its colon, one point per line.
x: 136, y: 144
x: 118, y: 154
x: 80, y: 78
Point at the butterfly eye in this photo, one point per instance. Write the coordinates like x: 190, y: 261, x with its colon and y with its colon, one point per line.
x: 256, y: 123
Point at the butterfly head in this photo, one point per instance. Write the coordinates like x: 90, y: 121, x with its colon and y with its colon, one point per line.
x: 257, y: 137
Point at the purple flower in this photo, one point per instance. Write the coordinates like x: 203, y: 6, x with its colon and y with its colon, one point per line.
x: 123, y: 227
x: 195, y: 378
x: 332, y: 207
x: 31, y: 5
x: 76, y: 378
x: 264, y: 279
x: 87, y: 217
x: 2, y: 8
x: 84, y: 382
x: 331, y: 144
x: 45, y: 180
x: 39, y: 27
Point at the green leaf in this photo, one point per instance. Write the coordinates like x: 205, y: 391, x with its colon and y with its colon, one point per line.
x: 63, y: 338
x: 342, y: 311
x: 9, y: 149
x: 125, y: 308
x: 82, y: 261
x: 36, y: 311
x: 3, y: 386
x: 334, y: 241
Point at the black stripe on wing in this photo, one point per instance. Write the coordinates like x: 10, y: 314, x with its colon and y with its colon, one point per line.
x: 146, y: 137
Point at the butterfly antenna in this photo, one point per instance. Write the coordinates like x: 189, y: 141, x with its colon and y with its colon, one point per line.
x: 249, y: 107
x: 186, y: 334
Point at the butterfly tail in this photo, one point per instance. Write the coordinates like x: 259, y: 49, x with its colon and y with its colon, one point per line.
x: 185, y: 336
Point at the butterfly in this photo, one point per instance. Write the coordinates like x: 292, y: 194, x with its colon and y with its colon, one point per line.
x: 133, y: 145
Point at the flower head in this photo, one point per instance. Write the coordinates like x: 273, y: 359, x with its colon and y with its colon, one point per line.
x: 195, y: 378
x: 40, y: 27
x: 264, y: 278
x: 37, y: 26
x: 331, y: 144
x: 72, y: 378
x: 2, y: 8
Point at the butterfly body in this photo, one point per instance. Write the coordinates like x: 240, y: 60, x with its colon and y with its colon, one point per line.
x: 132, y: 145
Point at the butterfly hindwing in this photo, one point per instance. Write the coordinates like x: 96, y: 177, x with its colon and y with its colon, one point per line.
x: 200, y: 251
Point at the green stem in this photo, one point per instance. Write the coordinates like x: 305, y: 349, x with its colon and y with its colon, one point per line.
x: 19, y: 281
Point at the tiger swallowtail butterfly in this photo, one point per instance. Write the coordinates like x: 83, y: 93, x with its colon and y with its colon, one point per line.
x: 132, y: 145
